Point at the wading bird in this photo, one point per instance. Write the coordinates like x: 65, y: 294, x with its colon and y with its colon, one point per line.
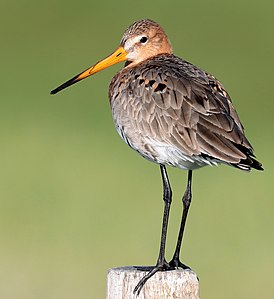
x: 172, y: 113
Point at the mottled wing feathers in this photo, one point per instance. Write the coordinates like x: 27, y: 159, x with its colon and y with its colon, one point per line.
x: 178, y: 104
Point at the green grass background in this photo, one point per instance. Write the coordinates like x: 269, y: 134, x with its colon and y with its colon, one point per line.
x: 75, y: 200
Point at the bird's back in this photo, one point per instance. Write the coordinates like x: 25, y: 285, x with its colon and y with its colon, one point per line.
x: 174, y: 113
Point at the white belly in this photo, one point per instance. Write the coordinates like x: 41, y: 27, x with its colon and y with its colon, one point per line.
x: 162, y: 153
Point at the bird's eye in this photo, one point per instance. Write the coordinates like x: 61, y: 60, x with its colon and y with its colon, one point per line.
x: 143, y: 39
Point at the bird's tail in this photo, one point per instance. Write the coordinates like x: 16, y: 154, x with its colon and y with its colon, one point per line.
x: 249, y: 163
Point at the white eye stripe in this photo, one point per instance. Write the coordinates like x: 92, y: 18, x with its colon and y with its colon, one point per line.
x: 135, y: 40
x: 131, y: 42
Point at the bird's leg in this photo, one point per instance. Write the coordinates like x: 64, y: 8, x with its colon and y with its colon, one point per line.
x: 175, y: 262
x: 161, y: 264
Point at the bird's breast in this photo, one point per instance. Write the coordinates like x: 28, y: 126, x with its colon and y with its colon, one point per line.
x: 148, y: 116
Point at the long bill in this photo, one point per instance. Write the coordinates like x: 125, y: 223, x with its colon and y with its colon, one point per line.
x: 117, y: 56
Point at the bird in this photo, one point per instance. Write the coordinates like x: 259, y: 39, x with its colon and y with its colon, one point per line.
x: 172, y: 113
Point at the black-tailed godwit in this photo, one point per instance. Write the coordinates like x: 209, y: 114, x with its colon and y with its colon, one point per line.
x: 172, y: 113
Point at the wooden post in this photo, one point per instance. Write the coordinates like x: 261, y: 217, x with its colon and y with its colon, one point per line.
x: 179, y: 284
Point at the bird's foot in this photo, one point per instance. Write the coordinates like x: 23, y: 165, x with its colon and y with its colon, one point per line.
x: 160, y: 266
x: 144, y: 268
x: 175, y: 263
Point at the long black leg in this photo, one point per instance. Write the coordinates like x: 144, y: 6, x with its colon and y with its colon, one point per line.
x: 161, y: 264
x: 175, y: 262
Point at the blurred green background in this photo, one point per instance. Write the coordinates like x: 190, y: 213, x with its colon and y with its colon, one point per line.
x: 75, y: 201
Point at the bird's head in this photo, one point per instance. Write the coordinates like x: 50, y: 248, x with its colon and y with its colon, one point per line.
x: 140, y: 41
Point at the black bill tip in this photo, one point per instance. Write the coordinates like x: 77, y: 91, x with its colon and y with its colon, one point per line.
x: 54, y: 91
x: 63, y: 86
x: 66, y: 84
